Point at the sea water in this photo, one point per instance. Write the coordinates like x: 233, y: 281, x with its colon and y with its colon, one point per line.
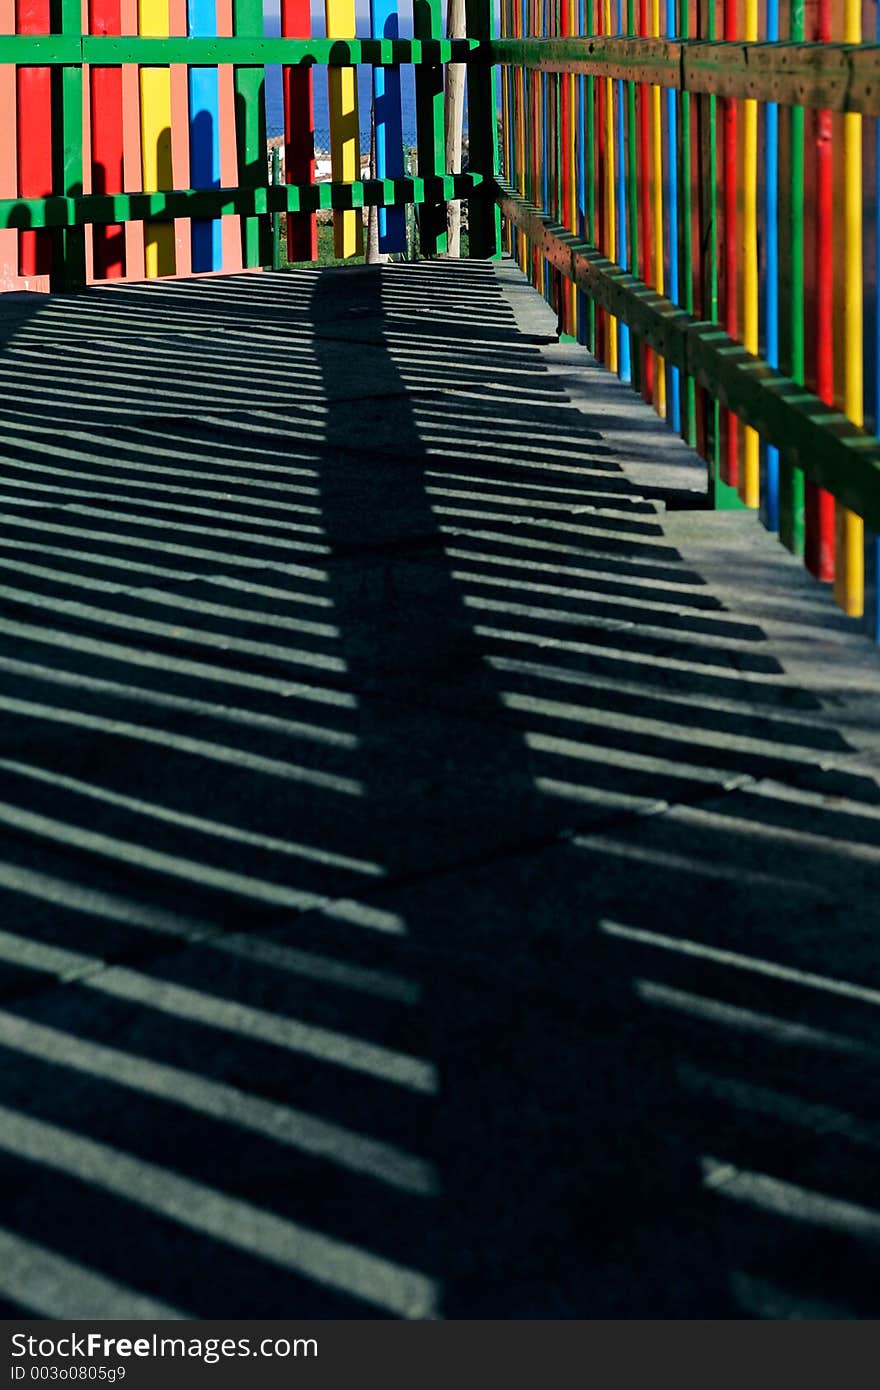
x: 274, y: 103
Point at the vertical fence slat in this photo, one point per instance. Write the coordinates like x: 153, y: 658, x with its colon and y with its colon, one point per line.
x: 506, y: 73
x: 590, y: 137
x: 230, y: 225
x: 729, y: 233
x: 849, y: 538
x: 525, y: 95
x: 484, y: 219
x: 749, y: 473
x: 570, y: 145
x: 632, y: 183
x: 819, y: 508
x: 657, y: 208
x: 541, y: 174
x: 9, y: 258
x: 156, y: 162
x: 34, y: 137
x: 519, y: 11
x: 299, y: 132
x: 180, y: 137
x: 609, y: 194
x: 583, y: 300
x: 385, y: 24
x: 345, y: 142
x: 536, y: 131
x: 428, y: 24
x: 791, y: 478
x: 107, y: 144
x: 872, y: 542
x: 601, y: 242
x: 250, y: 134
x: 672, y: 211
x: 699, y: 413
x: 706, y: 298
x: 555, y: 170
x: 770, y: 481
x: 624, y: 343
x: 645, y: 270
x: 686, y: 228
x: 204, y: 138
x: 69, y: 259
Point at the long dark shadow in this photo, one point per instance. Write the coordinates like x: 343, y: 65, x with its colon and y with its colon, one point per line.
x: 544, y: 1108
x: 421, y: 896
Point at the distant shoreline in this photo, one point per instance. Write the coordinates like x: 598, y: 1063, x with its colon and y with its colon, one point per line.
x: 274, y: 103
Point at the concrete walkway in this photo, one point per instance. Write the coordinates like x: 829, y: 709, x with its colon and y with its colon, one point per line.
x: 440, y: 865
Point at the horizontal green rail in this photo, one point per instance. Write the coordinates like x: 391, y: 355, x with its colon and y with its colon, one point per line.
x: 41, y: 49
x: 830, y: 449
x: 825, y: 76
x: 657, y: 60
x: 107, y: 208
x: 54, y: 49
x: 257, y: 199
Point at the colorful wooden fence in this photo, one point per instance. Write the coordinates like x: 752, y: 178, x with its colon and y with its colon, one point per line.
x: 135, y: 137
x: 695, y: 185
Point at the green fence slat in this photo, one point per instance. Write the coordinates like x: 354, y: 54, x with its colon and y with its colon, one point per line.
x: 430, y: 143
x: 39, y: 50
x: 245, y: 50
x: 250, y: 134
x: 69, y: 258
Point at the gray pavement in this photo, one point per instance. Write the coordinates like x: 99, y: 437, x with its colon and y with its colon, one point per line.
x: 441, y: 860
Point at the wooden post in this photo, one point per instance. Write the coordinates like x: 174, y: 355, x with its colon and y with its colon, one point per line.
x: 374, y: 253
x: 454, y: 114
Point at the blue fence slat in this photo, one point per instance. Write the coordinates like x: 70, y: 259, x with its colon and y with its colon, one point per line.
x: 204, y: 137
x: 385, y: 24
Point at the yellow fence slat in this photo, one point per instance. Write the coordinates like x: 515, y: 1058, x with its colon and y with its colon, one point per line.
x: 156, y: 164
x: 345, y: 148
x: 849, y: 531
x: 750, y: 473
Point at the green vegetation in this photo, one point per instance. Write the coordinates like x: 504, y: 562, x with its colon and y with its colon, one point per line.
x: 326, y: 255
x: 325, y: 248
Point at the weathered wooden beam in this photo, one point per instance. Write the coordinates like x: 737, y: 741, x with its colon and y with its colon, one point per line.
x: 829, y: 76
x: 657, y: 61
